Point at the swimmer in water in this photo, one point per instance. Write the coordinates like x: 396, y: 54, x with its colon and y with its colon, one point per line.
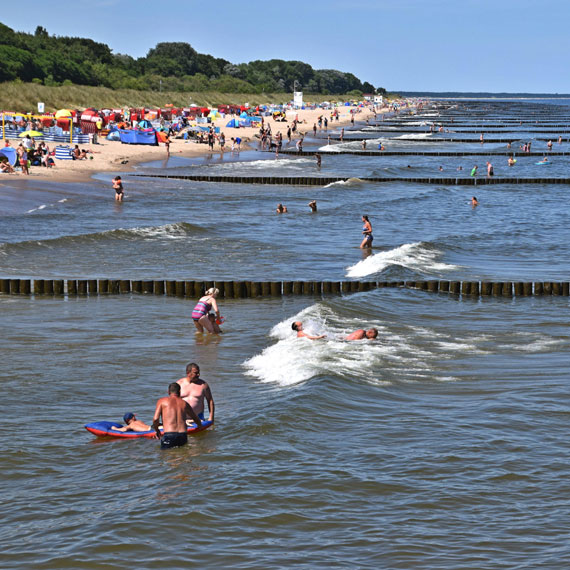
x: 474, y: 201
x: 313, y: 205
x: 474, y: 171
x: 360, y: 334
x: 298, y: 326
x: 511, y: 161
x: 281, y: 209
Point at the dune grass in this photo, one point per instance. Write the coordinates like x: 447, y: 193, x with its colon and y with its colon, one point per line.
x: 24, y: 97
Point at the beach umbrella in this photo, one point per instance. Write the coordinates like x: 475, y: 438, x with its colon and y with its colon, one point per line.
x: 63, y: 114
x: 31, y: 133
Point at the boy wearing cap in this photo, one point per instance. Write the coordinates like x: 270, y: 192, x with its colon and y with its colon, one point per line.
x: 132, y: 424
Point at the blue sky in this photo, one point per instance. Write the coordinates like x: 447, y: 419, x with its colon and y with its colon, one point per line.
x: 431, y: 45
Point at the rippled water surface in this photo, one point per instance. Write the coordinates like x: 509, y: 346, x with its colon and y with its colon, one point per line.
x: 442, y: 444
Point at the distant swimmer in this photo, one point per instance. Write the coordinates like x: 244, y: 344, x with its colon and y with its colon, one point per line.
x: 363, y: 145
x: 363, y: 334
x: 313, y: 205
x: 474, y: 170
x: 549, y: 145
x: 319, y: 159
x: 440, y: 168
x: 511, y: 161
x: 560, y: 139
x: 490, y: 171
x: 459, y: 168
x: 474, y: 201
x: 281, y: 209
x: 118, y: 187
x: 367, y: 232
x: 132, y: 424
x: 482, y: 138
x: 298, y: 326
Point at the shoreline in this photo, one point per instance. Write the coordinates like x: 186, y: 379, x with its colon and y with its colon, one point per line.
x: 115, y: 157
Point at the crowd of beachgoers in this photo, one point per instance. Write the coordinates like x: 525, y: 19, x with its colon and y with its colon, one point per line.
x: 181, y: 132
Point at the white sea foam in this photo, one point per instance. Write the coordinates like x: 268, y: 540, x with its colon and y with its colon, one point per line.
x: 168, y: 231
x: 294, y: 360
x: 36, y: 209
x: 348, y: 182
x: 414, y: 256
x: 62, y: 201
x: 418, y: 136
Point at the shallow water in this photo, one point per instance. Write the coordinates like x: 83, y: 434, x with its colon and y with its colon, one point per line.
x: 441, y: 445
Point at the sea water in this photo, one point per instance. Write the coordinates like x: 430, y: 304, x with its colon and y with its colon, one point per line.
x: 442, y: 444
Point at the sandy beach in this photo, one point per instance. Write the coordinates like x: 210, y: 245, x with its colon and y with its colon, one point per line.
x: 113, y: 156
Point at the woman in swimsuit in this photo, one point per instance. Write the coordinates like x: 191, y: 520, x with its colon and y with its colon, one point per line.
x: 367, y: 231
x: 201, y: 312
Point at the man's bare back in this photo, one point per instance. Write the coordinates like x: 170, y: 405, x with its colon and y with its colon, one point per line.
x: 173, y: 411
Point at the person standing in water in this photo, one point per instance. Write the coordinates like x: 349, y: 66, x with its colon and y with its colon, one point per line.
x: 367, y: 232
x: 173, y: 411
x: 118, y: 187
x: 313, y: 205
x: 201, y: 312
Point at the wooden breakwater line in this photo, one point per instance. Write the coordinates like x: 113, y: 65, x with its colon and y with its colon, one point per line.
x: 511, y: 140
x: 488, y: 153
x: 250, y: 289
x: 325, y: 180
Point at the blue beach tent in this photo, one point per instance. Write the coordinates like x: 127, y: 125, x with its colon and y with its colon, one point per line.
x: 10, y: 153
x: 138, y: 137
x: 234, y: 124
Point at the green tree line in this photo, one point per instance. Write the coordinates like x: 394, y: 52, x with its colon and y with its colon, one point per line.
x: 172, y: 66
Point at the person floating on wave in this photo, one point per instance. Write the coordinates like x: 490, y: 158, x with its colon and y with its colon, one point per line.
x: 363, y: 334
x: 298, y: 326
x: 367, y: 232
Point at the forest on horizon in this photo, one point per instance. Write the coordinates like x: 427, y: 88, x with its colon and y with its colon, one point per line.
x: 173, y: 66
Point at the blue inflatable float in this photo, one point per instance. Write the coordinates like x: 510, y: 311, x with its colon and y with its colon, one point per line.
x: 105, y: 429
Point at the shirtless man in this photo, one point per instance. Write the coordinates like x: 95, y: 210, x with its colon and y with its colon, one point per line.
x: 174, y: 412
x: 298, y: 326
x: 132, y: 424
x: 193, y: 390
x: 361, y: 334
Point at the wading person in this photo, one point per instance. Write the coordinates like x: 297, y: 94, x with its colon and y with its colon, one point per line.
x: 201, y: 312
x: 367, y: 232
x: 173, y: 412
x: 194, y: 391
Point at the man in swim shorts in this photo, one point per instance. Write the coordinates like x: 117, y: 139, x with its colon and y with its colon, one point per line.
x: 132, y: 424
x: 174, y: 412
x: 194, y: 390
x: 363, y: 334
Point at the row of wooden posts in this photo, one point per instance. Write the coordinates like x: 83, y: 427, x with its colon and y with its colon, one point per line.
x: 465, y: 180
x: 246, y: 289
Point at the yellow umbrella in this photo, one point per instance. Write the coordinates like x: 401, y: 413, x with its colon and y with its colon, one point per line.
x: 31, y: 133
x: 63, y: 114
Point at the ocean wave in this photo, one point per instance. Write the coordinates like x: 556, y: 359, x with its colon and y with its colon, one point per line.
x: 417, y: 256
x: 418, y: 136
x: 348, y: 182
x: 293, y: 360
x: 179, y: 230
